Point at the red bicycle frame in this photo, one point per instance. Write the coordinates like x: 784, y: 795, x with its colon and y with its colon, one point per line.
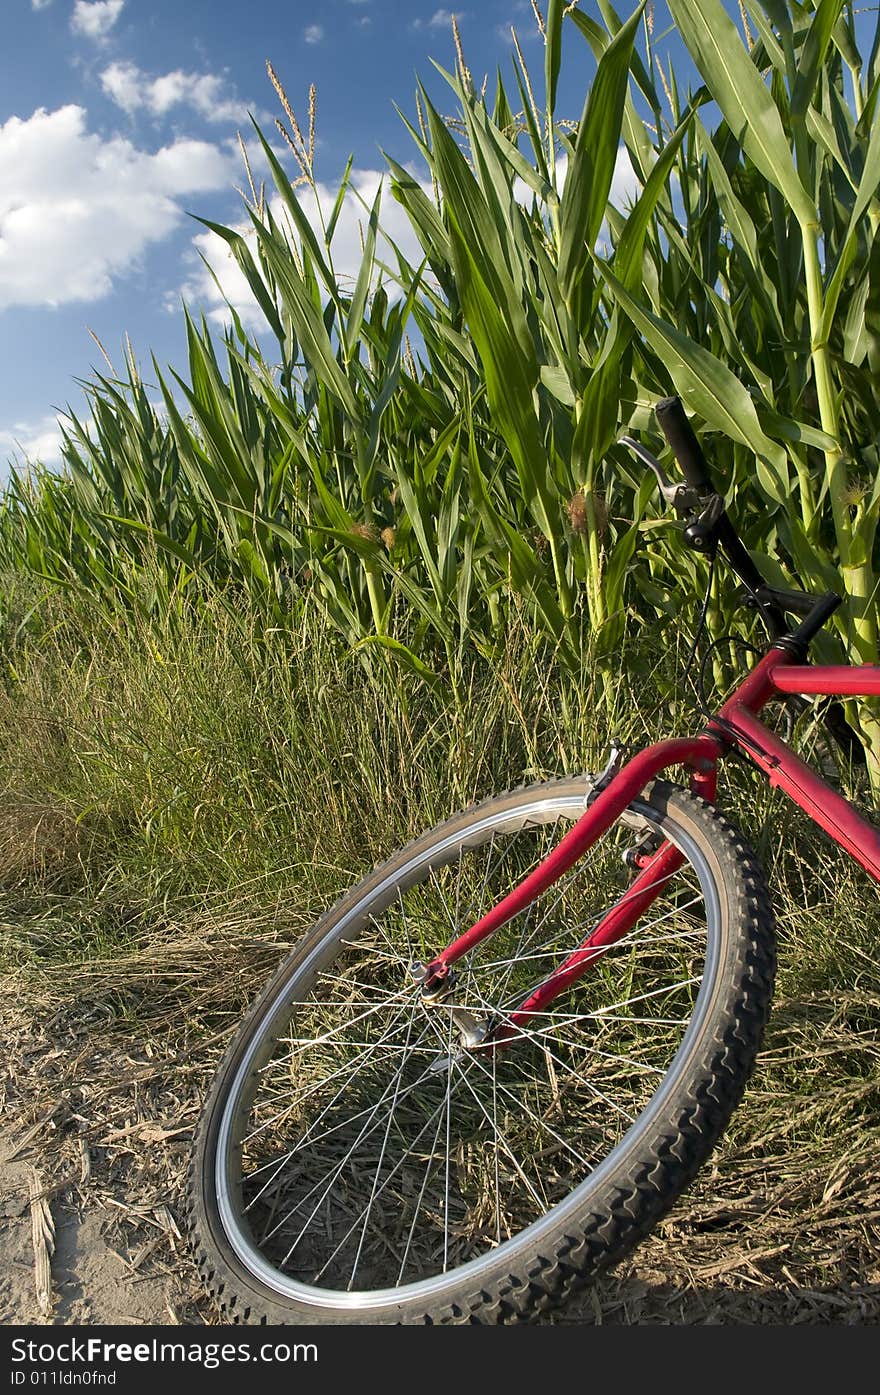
x: 735, y: 725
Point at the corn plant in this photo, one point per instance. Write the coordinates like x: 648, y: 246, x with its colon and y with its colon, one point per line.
x: 770, y: 330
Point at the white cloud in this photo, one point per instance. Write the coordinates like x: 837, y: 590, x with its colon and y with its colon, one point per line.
x: 202, y: 290
x: 440, y: 19
x: 123, y: 83
x: 24, y: 441
x: 313, y: 34
x: 204, y: 93
x: 625, y: 185
x: 528, y: 35
x: 95, y: 18
x: 78, y: 209
x: 40, y: 4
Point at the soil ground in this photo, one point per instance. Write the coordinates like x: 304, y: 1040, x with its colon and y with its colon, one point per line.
x: 108, y: 1129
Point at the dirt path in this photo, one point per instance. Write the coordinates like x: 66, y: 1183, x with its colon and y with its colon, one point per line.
x: 98, y: 1280
x: 105, y: 1120
x: 92, y: 1281
x: 106, y: 1116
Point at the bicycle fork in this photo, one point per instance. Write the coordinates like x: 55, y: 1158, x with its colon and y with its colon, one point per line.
x: 610, y: 796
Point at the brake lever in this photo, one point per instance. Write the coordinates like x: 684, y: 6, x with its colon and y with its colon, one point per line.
x: 682, y: 498
x: 702, y: 532
x: 795, y: 602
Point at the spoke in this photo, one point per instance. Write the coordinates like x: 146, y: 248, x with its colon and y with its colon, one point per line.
x: 541, y: 1122
x: 438, y: 1115
x: 634, y: 936
x: 382, y: 1152
x: 314, y: 1089
x: 540, y: 1034
x: 562, y: 884
x: 365, y: 1132
x: 579, y: 867
x: 440, y: 893
x: 668, y: 988
x: 594, y: 1050
x: 498, y: 1133
x: 328, y: 1133
x: 594, y: 1089
x: 497, y: 1159
x: 375, y: 1046
x: 385, y: 936
x: 594, y: 922
x: 480, y: 904
x: 621, y: 900
x: 524, y: 1034
x: 641, y: 1021
x: 600, y: 1013
x: 373, y: 953
x: 497, y: 896
x: 374, y: 1043
x: 302, y: 1042
x: 448, y: 1127
x: 501, y: 1137
x: 558, y: 1021
x: 313, y: 1125
x: 348, y: 980
x: 482, y: 900
x: 458, y: 890
x: 366, y: 950
x: 506, y: 851
x: 277, y: 1061
x: 409, y: 944
x: 421, y: 1196
x: 524, y: 931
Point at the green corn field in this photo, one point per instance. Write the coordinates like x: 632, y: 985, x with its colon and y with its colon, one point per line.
x: 429, y: 455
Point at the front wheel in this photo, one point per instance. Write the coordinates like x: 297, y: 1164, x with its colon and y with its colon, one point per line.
x: 363, y: 1158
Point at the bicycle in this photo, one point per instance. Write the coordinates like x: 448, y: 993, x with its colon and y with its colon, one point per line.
x: 493, y: 1066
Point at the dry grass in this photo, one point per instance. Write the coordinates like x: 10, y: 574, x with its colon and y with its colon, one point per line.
x: 38, y: 843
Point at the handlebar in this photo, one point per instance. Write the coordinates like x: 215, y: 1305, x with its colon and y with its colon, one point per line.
x: 679, y: 434
x: 686, y: 448
x: 822, y: 609
x: 712, y: 525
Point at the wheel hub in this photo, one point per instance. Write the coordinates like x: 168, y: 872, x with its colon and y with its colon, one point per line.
x: 473, y: 1031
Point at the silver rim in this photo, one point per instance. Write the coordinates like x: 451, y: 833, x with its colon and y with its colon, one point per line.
x: 364, y: 1157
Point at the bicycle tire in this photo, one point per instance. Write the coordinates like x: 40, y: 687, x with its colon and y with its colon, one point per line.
x: 494, y: 1269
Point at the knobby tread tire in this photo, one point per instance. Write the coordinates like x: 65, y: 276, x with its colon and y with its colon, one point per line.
x: 635, y: 1198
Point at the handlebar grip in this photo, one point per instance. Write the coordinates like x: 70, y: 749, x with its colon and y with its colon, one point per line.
x: 679, y: 433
